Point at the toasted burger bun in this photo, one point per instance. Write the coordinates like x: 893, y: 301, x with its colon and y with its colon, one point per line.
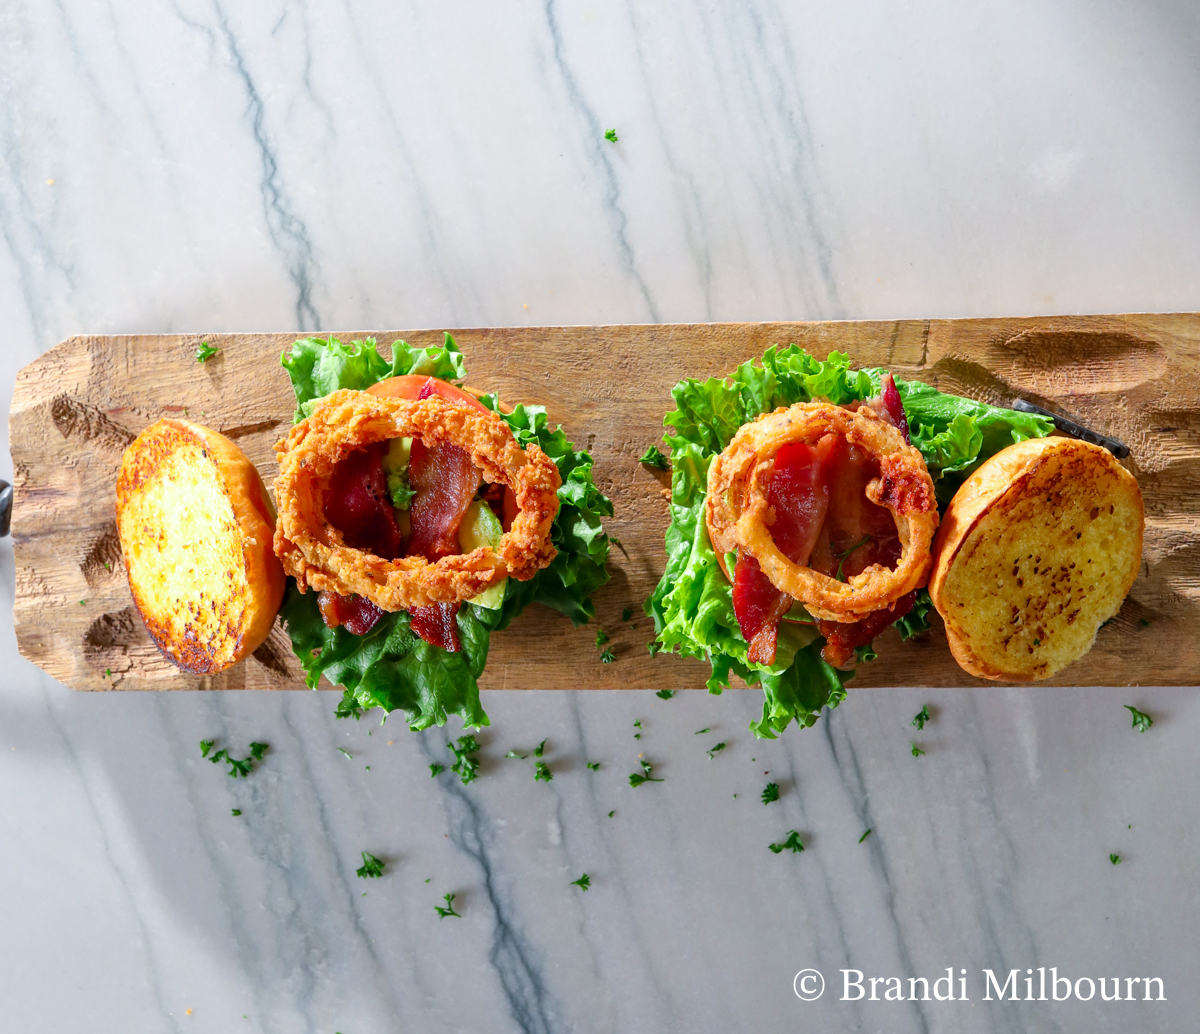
x: 1036, y: 551
x: 196, y: 526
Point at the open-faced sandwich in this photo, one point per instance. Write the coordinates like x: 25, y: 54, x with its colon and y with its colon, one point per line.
x: 417, y: 517
x: 804, y: 503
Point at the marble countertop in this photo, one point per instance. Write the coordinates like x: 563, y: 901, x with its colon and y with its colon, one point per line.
x: 210, y: 166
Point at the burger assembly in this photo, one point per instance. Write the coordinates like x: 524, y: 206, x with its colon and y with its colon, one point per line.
x: 812, y: 507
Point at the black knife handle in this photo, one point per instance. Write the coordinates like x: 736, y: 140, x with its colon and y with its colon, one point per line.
x: 1075, y: 429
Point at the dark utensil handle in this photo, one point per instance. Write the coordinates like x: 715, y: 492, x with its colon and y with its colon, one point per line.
x: 6, y: 493
x: 1075, y: 429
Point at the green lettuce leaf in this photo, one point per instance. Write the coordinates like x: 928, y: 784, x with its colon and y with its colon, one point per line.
x: 692, y: 606
x: 391, y: 667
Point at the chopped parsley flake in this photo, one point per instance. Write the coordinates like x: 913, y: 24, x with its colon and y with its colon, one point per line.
x: 842, y: 556
x: 237, y: 811
x: 770, y: 793
x: 612, y: 813
x: 637, y: 778
x: 435, y: 769
x: 610, y: 135
x: 601, y: 637
x: 205, y: 747
x: 792, y: 843
x: 653, y: 458
x: 922, y: 717
x: 242, y: 767
x: 665, y: 694
x: 583, y: 882
x: 626, y: 612
x: 449, y: 909
x: 372, y: 867
x: 701, y: 732
x: 347, y: 753
x: 540, y: 771
x: 540, y: 749
x: 514, y: 754
x: 1115, y: 859
x: 1141, y: 720
x: 594, y: 766
x: 654, y: 648
x: 916, y: 751
x: 864, y: 836
x: 716, y: 750
x: 205, y: 352
x: 608, y: 657
x: 1144, y: 622
x: 466, y: 767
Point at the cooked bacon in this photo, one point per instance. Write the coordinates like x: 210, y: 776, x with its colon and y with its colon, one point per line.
x: 893, y: 406
x: 841, y: 638
x: 359, y: 506
x: 357, y: 613
x: 799, y: 497
x: 445, y: 481
x: 437, y: 625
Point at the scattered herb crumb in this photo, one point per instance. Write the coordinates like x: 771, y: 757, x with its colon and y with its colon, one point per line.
x: 665, y: 694
x: 514, y: 754
x: 371, y: 868
x: 637, y: 778
x: 347, y: 753
x: 654, y: 648
x: 611, y: 813
x: 1144, y: 622
x: 466, y: 767
x: 242, y: 767
x: 237, y: 811
x: 583, y: 882
x: 864, y: 836
x: 792, y: 843
x: 540, y: 749
x: 626, y: 612
x: 1141, y: 720
x: 449, y: 909
x: 1115, y: 859
x: 610, y: 135
x: 653, y: 458
x: 83, y: 603
x: 594, y: 766
x: 716, y: 750
x: 1037, y: 642
x: 205, y: 747
x: 770, y: 793
x: 608, y: 657
x: 108, y: 673
x: 205, y: 352
x: 435, y: 769
x: 916, y: 751
x: 921, y: 717
x: 540, y: 771
x: 601, y: 637
x: 701, y: 732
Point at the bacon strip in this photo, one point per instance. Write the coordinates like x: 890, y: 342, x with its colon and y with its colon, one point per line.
x: 437, y: 625
x: 894, y: 406
x: 359, y: 506
x: 445, y: 481
x: 841, y: 638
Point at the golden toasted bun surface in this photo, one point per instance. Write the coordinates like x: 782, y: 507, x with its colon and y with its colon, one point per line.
x: 1037, y: 550
x: 196, y: 526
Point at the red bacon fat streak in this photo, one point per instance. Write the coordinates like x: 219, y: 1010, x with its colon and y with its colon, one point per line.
x: 823, y: 520
x: 444, y: 481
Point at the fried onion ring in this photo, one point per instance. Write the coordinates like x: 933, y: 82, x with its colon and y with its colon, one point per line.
x: 737, y: 511
x: 315, y: 553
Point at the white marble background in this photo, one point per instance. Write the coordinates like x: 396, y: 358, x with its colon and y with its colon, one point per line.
x: 202, y: 166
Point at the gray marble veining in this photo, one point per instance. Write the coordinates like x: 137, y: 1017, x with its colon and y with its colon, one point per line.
x: 206, y: 166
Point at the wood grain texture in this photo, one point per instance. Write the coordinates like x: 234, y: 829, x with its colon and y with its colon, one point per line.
x: 77, y: 407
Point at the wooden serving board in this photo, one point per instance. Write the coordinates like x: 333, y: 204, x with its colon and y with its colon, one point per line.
x: 77, y: 407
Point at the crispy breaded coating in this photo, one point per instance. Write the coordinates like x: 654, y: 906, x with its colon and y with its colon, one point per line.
x: 737, y: 511
x: 315, y: 553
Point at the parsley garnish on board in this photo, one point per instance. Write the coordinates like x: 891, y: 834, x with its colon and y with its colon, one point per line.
x: 770, y: 793
x: 922, y: 717
x: 583, y: 882
x: 205, y: 352
x: 716, y: 750
x: 653, y: 458
x: 242, y: 767
x: 449, y: 909
x: 792, y: 843
x: 637, y: 778
x: 1141, y: 720
x: 465, y: 766
x: 665, y: 694
x: 626, y: 612
x: 601, y: 637
x: 610, y: 135
x: 372, y: 867
x: 608, y: 656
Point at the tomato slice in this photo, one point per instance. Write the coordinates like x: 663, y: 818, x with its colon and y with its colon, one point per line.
x: 411, y: 386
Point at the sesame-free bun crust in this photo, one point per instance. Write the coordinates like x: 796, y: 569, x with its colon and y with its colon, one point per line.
x: 196, y: 526
x: 1038, y: 548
